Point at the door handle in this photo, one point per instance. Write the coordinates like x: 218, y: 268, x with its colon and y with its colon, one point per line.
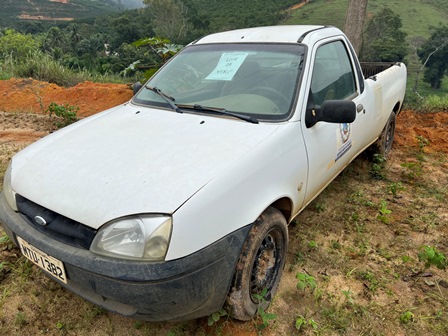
x: 360, y: 108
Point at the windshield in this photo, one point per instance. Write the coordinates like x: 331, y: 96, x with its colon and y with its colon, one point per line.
x: 257, y: 80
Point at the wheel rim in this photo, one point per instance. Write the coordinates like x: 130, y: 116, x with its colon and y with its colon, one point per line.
x: 390, y: 137
x: 267, y: 264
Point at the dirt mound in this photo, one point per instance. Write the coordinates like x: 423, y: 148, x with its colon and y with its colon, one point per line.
x: 414, y: 129
x: 29, y: 95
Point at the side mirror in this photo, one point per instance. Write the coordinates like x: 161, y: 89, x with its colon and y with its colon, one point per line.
x: 136, y: 87
x: 331, y: 111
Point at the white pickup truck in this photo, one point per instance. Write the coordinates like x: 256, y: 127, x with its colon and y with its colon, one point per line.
x: 177, y: 203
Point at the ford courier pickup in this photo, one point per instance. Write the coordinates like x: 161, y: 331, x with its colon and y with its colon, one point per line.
x: 177, y: 203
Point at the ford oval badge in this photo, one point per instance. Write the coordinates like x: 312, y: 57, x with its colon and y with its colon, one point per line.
x: 40, y: 220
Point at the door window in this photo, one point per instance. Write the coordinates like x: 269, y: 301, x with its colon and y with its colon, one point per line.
x: 333, y: 76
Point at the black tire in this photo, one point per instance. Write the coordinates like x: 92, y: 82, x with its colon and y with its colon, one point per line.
x: 260, y: 265
x: 384, y: 144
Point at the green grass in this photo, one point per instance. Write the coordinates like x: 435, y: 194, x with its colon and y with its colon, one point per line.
x: 436, y: 103
x: 433, y: 100
x: 43, y: 67
x: 418, y: 16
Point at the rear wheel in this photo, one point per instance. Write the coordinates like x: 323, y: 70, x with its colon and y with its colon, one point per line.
x: 384, y: 144
x: 260, y: 265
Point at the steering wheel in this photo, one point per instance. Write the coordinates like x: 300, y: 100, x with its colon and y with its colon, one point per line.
x: 183, y: 78
x: 272, y: 94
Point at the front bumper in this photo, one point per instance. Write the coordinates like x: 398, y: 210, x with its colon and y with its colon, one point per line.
x: 182, y: 289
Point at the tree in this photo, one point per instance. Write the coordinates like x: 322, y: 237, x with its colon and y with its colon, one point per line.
x: 125, y: 55
x: 169, y: 19
x: 29, y: 26
x: 123, y: 30
x: 54, y: 38
x: 74, y: 36
x: 354, y: 22
x: 434, y: 56
x: 16, y: 44
x: 384, y: 41
x: 88, y: 50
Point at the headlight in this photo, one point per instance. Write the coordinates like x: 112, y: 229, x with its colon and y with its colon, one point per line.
x: 10, y: 195
x: 139, y: 237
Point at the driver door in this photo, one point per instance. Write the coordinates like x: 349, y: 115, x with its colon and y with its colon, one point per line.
x: 331, y: 146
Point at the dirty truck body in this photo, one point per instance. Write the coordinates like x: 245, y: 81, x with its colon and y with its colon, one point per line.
x: 176, y: 203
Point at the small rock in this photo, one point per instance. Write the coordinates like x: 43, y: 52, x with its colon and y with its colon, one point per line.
x: 443, y: 283
x: 430, y: 283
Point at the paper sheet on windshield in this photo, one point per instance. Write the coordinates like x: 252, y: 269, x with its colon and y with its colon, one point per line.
x: 228, y: 65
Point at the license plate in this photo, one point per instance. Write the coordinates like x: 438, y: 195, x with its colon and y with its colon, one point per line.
x: 49, y: 264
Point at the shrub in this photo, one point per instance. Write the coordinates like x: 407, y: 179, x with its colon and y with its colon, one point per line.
x: 43, y: 67
x: 61, y: 115
x: 15, y: 44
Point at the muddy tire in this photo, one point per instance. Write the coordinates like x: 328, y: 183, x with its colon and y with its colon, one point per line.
x: 260, y: 265
x: 384, y: 144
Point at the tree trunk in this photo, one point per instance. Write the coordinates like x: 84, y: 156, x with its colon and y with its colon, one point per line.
x: 354, y: 22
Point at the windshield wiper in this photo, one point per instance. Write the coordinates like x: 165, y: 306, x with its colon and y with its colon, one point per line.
x: 220, y: 110
x: 166, y: 97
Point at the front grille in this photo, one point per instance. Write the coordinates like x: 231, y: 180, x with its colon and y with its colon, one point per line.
x: 58, y: 227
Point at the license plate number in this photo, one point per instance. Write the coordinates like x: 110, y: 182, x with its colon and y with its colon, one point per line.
x: 48, y: 263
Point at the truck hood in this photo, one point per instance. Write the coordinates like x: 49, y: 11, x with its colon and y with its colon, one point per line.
x: 130, y: 160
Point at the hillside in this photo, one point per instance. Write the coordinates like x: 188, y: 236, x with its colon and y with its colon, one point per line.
x: 54, y: 10
x: 418, y: 16
x: 131, y: 3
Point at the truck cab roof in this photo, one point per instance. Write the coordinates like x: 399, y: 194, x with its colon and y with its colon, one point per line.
x: 270, y: 34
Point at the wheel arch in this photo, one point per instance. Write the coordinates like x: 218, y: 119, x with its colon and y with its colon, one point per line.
x: 284, y: 205
x: 397, y: 108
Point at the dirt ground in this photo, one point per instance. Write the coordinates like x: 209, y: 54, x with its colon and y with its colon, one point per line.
x: 365, y: 265
x: 31, y: 96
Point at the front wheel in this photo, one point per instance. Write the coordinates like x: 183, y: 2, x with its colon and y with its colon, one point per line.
x: 260, y: 265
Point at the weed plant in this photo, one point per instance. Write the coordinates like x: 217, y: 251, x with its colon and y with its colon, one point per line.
x: 265, y: 317
x: 302, y: 324
x: 384, y: 212
x: 6, y: 67
x: 431, y: 256
x: 61, y: 115
x: 378, y: 167
x: 395, y: 188
x: 305, y: 281
x: 216, y: 316
x: 406, y: 317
